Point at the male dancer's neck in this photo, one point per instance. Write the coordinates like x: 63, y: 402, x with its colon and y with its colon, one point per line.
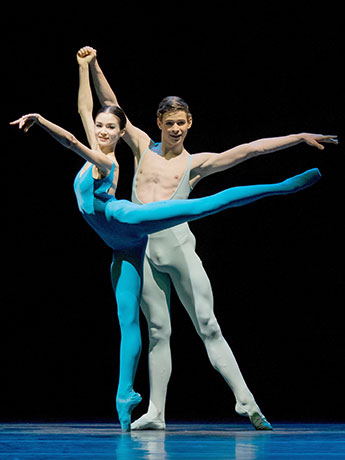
x: 169, y: 151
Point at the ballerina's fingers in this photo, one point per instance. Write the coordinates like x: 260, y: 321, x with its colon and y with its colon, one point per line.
x: 20, y: 122
x: 25, y: 121
x: 28, y: 125
x: 15, y: 122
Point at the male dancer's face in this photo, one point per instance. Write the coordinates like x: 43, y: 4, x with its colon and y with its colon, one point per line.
x: 174, y: 126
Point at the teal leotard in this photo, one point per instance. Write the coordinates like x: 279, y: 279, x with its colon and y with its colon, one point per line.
x: 124, y: 227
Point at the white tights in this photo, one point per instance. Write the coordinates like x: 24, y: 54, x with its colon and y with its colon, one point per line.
x: 170, y: 257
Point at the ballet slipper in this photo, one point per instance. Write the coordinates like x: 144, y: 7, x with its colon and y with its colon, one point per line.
x: 252, y: 411
x: 152, y: 420
x: 146, y: 422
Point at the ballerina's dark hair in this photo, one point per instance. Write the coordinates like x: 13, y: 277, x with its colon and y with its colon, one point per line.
x: 117, y: 111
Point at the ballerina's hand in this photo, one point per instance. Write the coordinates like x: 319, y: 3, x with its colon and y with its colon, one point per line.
x: 315, y: 139
x: 26, y: 121
x: 86, y: 55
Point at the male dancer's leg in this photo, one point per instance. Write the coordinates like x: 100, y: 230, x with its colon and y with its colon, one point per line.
x: 194, y: 290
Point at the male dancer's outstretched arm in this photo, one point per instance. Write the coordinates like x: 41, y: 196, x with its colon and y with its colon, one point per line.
x: 210, y: 163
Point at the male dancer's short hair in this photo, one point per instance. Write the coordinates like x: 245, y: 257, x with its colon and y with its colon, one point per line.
x: 172, y: 104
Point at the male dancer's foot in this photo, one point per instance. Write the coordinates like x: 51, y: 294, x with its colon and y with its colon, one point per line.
x: 149, y: 421
x: 125, y: 406
x: 252, y: 411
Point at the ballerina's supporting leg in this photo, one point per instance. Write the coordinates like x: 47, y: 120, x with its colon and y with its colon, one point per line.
x: 126, y: 274
x: 157, y: 216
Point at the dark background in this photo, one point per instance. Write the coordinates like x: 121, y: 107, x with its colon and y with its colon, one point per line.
x: 276, y: 266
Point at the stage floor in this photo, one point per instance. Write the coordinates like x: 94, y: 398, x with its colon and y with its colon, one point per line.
x: 96, y: 441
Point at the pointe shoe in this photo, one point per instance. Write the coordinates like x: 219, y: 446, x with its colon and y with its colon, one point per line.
x: 258, y: 420
x: 125, y: 407
x: 301, y: 181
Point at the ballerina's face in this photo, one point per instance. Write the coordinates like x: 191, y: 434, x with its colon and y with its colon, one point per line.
x: 107, y: 130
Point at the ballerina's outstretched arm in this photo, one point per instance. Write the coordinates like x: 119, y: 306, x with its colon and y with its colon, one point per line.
x: 67, y: 139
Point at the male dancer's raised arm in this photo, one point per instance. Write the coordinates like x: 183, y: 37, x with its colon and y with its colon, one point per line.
x: 137, y: 139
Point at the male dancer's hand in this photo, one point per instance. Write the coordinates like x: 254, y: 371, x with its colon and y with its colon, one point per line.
x: 86, y: 55
x: 315, y: 139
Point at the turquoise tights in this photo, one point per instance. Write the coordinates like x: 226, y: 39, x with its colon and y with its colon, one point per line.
x: 127, y: 276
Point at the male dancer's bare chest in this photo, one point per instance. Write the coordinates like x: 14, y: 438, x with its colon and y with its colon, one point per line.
x: 158, y: 178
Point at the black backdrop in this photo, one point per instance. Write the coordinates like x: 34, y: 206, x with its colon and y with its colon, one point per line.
x: 276, y: 266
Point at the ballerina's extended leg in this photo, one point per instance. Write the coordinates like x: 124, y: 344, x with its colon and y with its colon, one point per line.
x: 157, y: 216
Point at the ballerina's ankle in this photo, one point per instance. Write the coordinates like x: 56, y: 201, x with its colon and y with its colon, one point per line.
x: 125, y: 407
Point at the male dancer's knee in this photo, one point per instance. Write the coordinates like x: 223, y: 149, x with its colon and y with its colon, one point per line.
x: 209, y: 327
x: 158, y: 332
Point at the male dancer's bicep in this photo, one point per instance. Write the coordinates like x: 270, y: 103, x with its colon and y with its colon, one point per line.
x: 210, y: 163
x: 136, y: 139
x: 203, y: 164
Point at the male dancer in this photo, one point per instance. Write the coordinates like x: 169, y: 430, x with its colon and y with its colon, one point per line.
x: 168, y: 171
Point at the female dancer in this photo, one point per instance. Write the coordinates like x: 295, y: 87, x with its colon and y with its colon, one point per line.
x: 124, y: 226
